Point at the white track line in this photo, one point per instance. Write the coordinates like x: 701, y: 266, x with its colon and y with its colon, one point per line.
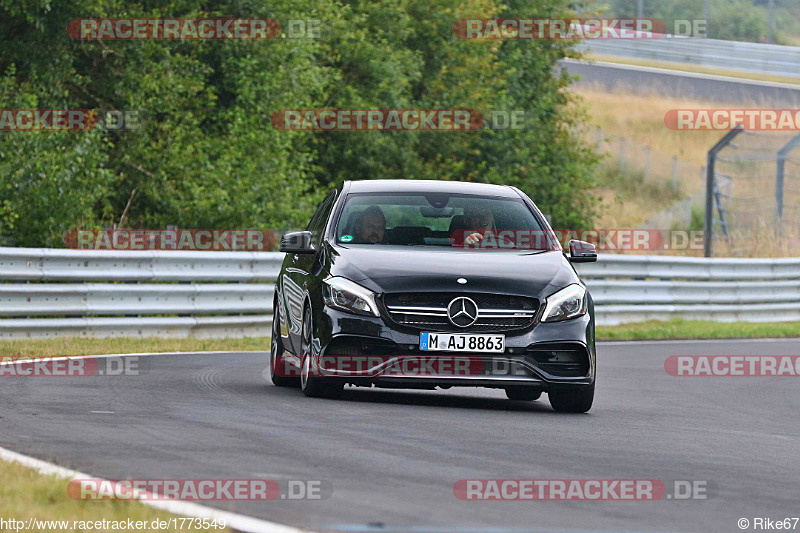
x: 235, y: 521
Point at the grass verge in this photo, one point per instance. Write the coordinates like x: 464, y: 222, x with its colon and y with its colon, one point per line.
x: 26, y: 494
x: 652, y: 329
x: 640, y: 119
x: 698, y: 329
x: 61, y: 346
x: 628, y: 197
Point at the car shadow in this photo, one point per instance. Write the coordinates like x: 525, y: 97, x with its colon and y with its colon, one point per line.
x: 420, y: 397
x: 440, y: 399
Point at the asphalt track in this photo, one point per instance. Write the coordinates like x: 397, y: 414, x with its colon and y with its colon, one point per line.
x: 392, y: 457
x: 630, y: 79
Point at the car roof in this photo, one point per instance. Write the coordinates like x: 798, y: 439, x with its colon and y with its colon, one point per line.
x: 431, y: 186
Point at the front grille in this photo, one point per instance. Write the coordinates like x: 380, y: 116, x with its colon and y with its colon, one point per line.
x: 428, y: 311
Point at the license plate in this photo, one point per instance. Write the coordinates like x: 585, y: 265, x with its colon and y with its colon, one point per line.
x: 457, y: 342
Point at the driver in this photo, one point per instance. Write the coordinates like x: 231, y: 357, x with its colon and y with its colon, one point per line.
x: 371, y: 226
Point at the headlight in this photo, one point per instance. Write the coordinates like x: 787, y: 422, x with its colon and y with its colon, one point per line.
x: 343, y: 294
x: 569, y: 302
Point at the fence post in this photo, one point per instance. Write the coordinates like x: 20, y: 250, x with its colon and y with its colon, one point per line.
x: 708, y: 227
x: 674, y: 171
x: 621, y: 155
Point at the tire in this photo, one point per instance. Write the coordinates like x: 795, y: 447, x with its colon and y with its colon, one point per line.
x: 276, y: 352
x: 311, y: 385
x: 578, y: 401
x: 523, y: 394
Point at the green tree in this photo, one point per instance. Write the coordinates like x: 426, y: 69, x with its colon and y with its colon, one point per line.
x: 206, y: 154
x: 404, y: 54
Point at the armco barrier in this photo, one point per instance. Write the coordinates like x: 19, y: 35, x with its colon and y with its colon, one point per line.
x: 135, y: 293
x: 637, y: 288
x: 50, y: 292
x: 753, y: 57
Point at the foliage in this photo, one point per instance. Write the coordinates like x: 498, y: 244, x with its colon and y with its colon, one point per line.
x: 733, y: 20
x: 205, y: 154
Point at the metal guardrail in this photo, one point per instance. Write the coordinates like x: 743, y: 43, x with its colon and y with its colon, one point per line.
x: 752, y: 57
x: 49, y: 293
x: 637, y: 288
x: 47, y: 264
x: 135, y: 293
x: 690, y: 268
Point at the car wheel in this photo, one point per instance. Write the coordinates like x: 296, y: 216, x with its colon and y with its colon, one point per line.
x: 312, y: 385
x: 524, y: 394
x: 276, y: 353
x: 578, y: 401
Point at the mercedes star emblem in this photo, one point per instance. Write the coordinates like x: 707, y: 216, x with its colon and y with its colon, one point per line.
x: 462, y: 312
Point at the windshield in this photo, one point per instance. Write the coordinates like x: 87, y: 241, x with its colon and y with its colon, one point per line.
x: 446, y: 220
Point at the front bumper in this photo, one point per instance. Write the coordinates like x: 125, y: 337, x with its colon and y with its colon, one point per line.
x: 547, y: 356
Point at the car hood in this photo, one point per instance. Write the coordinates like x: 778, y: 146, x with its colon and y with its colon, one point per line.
x: 386, y: 269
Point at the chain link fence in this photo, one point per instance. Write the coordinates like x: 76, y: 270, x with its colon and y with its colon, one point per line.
x: 756, y: 190
x: 756, y: 196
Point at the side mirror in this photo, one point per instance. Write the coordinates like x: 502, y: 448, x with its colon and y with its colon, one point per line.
x: 582, y: 252
x: 297, y: 242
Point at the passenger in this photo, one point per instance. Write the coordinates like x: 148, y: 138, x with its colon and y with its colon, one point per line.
x: 478, y: 220
x: 371, y: 226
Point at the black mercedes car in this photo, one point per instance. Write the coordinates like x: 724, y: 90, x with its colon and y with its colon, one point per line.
x: 426, y: 284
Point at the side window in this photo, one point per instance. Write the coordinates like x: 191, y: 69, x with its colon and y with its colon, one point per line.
x: 317, y: 224
x: 315, y: 218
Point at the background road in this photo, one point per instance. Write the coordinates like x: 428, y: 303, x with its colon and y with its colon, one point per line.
x: 630, y: 79
x: 392, y: 457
